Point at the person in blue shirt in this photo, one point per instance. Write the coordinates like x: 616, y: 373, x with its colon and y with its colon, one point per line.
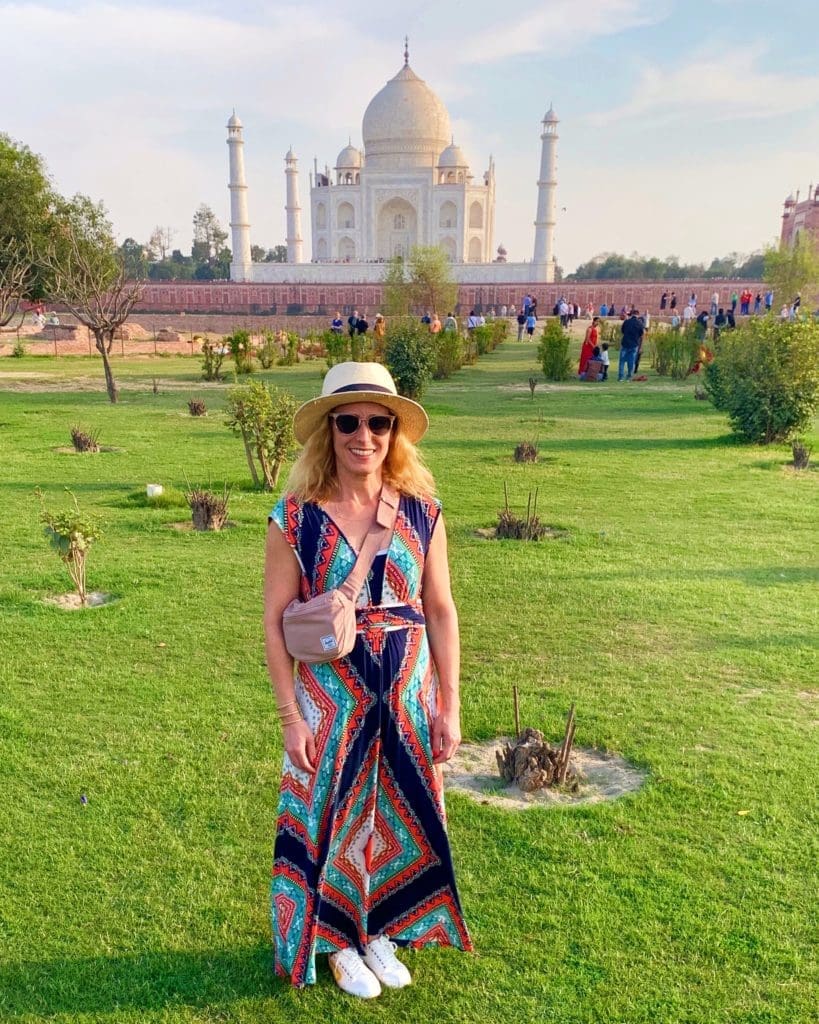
x: 337, y: 324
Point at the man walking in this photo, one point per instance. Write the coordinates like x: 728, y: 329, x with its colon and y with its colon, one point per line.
x: 632, y: 330
x: 352, y: 323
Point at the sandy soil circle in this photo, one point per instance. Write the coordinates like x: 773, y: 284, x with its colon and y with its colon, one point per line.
x: 71, y: 602
x: 473, y: 771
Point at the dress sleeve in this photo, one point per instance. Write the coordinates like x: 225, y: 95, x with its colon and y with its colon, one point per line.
x: 287, y: 515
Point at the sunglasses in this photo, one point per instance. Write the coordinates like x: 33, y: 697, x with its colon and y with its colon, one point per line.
x: 348, y: 423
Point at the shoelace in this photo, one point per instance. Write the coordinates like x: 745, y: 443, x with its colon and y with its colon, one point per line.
x: 383, y: 949
x: 351, y: 963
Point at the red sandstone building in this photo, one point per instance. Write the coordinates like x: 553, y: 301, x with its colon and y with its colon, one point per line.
x: 801, y: 218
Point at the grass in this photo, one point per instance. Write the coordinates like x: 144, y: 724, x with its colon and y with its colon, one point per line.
x: 679, y: 614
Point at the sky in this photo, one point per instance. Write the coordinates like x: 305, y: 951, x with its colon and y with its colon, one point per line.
x: 683, y: 123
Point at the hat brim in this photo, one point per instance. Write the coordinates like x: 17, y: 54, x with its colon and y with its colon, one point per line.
x: 412, y: 416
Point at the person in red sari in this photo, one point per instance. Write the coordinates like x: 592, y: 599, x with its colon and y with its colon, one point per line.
x: 586, y: 352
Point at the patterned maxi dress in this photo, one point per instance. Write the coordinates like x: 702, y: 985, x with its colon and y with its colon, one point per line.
x: 361, y: 847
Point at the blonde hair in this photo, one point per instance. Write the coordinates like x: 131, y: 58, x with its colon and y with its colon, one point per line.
x: 313, y: 474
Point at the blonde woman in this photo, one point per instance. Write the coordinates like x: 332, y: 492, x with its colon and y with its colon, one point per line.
x: 362, y: 863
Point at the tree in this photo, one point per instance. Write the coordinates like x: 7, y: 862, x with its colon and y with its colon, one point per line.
x: 85, y: 272
x: 278, y: 254
x: 209, y: 236
x: 262, y: 416
x: 26, y: 202
x: 790, y: 271
x: 135, y: 259
x: 159, y: 243
x: 396, y: 293
x: 431, y: 286
x: 257, y: 253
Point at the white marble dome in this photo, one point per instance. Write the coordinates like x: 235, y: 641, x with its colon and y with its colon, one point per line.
x: 452, y: 156
x: 349, y: 157
x: 405, y: 124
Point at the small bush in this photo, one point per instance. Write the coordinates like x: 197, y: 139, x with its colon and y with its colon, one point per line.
x: 765, y: 376
x: 410, y: 357
x: 553, y: 352
x: 71, y: 534
x: 262, y: 416
x: 241, y: 350
x: 19, y: 349
x: 213, y: 357
x: 197, y: 407
x: 268, y: 351
x: 290, y: 356
x: 673, y: 353
x: 208, y: 510
x: 526, y: 451
x: 513, y: 527
x: 483, y: 339
x: 85, y: 440
x: 449, y: 354
x: 337, y: 347
x: 801, y: 454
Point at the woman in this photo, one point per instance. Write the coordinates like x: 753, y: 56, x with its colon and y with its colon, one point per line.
x: 362, y: 860
x: 587, y: 348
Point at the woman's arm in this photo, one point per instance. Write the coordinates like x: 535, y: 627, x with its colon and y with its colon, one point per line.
x: 444, y: 644
x: 281, y: 586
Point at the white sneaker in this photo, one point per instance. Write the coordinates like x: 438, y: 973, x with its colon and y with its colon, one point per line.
x: 352, y: 975
x: 379, y: 956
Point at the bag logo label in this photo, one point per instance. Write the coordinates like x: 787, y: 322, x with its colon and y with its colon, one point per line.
x: 328, y: 643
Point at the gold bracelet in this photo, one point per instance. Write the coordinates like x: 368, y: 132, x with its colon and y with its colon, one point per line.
x: 289, y: 704
x: 292, y: 721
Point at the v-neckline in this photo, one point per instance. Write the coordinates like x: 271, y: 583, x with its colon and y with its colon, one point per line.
x: 343, y: 535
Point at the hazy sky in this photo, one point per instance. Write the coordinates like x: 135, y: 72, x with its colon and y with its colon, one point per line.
x: 684, y: 123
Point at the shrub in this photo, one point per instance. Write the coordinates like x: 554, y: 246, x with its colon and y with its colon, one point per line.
x: 766, y: 377
x: 410, y: 357
x: 213, y: 356
x: 267, y: 352
x: 197, y: 407
x: 262, y: 415
x: 801, y: 454
x: 241, y: 350
x: 673, y: 353
x: 553, y: 352
x: 526, y: 451
x: 483, y: 338
x: 71, y: 534
x: 337, y: 347
x: 85, y: 440
x: 449, y: 354
x: 19, y: 349
x: 290, y: 356
x: 513, y: 527
x: 208, y: 510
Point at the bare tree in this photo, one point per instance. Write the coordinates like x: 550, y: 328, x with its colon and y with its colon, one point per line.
x: 86, y: 274
x: 15, y: 277
x: 159, y: 243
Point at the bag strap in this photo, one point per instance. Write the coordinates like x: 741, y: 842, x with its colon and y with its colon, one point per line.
x: 377, y: 538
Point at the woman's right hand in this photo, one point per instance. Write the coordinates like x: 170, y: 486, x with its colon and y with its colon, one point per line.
x: 300, y: 746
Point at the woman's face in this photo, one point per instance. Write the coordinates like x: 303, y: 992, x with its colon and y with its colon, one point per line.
x: 362, y: 452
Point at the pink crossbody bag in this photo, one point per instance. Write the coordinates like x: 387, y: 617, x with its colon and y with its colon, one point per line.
x: 323, y: 628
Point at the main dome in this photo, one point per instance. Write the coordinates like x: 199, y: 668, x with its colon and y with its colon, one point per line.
x: 405, y: 124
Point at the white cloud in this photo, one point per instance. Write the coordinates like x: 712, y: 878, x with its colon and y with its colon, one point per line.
x: 715, y: 86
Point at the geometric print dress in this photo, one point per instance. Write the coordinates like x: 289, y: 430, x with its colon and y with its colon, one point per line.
x: 361, y: 846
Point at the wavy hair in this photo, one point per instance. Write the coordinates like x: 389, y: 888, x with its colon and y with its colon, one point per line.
x: 313, y: 475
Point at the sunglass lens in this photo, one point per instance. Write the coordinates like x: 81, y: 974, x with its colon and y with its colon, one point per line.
x: 380, y: 424
x: 347, y: 423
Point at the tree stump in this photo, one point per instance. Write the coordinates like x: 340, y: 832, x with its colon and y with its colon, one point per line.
x: 532, y: 763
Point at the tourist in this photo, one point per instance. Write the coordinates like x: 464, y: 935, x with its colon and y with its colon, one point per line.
x: 435, y: 326
x: 734, y: 300
x: 769, y: 297
x: 785, y: 312
x: 362, y: 325
x: 563, y: 312
x: 450, y: 323
x: 795, y: 306
x: 590, y: 312
x: 352, y: 323
x: 663, y: 301
x: 379, y: 327
x: 729, y: 316
x: 337, y: 324
x: 472, y: 321
x: 533, y: 306
x: 645, y: 320
x: 688, y: 316
x: 632, y: 330
x: 720, y: 322
x: 587, y: 348
x: 604, y: 309
x: 673, y: 302
x: 512, y: 310
x: 521, y: 324
x: 714, y: 303
x: 757, y: 303
x: 503, y: 311
x: 368, y: 729
x: 692, y: 302
x: 531, y: 323
x: 675, y: 321
x: 604, y: 359
x: 426, y: 319
x: 527, y: 301
x: 702, y: 325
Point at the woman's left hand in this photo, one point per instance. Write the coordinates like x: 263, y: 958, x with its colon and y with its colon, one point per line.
x: 446, y: 736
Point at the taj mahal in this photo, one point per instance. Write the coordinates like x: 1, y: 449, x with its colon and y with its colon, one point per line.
x: 411, y: 184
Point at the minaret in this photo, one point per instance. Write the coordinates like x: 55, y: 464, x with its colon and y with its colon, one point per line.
x: 544, y: 256
x: 241, y: 263
x: 295, y: 252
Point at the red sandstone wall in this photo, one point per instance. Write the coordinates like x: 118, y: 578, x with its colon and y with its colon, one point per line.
x: 265, y: 300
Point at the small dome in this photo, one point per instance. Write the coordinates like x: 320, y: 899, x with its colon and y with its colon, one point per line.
x: 234, y: 121
x: 550, y: 116
x: 349, y: 157
x: 290, y: 155
x: 502, y: 250
x: 452, y: 156
x: 790, y: 201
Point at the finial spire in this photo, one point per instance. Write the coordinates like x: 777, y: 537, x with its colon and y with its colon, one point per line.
x: 406, y: 51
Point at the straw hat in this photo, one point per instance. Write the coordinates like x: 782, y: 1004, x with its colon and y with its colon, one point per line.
x: 346, y: 383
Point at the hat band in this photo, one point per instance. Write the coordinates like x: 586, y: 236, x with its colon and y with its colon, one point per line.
x: 363, y: 387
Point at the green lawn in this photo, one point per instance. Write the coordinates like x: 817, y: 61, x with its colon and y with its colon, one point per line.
x: 679, y: 615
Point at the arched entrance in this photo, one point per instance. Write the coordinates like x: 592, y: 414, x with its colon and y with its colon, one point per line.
x: 397, y: 230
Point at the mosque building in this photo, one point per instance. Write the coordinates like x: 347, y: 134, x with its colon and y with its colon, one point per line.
x: 800, y: 218
x: 409, y: 185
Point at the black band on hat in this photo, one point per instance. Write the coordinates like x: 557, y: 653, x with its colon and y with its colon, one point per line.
x: 363, y: 387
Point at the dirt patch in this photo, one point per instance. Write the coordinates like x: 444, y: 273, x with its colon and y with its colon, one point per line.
x: 187, y: 527
x: 71, y: 602
x: 474, y: 772
x: 68, y: 450
x: 490, y: 533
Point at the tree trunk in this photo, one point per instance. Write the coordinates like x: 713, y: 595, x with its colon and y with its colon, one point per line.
x: 110, y: 384
x: 269, y: 478
x: 250, y: 462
